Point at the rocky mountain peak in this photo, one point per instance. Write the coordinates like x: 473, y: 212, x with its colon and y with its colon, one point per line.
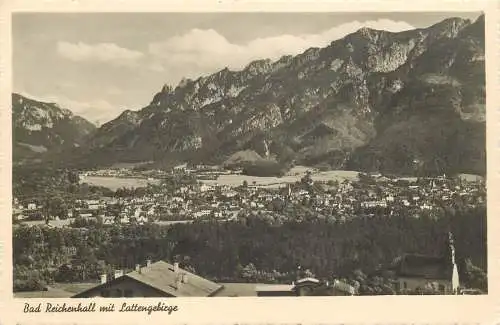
x: 283, y: 61
x: 167, y: 89
x: 476, y: 29
x: 40, y: 114
x: 224, y: 71
x: 184, y: 82
x: 369, y: 33
x: 258, y: 67
x: 128, y: 114
x: 480, y: 19
x: 41, y: 126
x: 449, y: 28
x: 358, y: 103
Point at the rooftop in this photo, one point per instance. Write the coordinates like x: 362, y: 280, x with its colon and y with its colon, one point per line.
x: 163, y: 277
x: 274, y: 287
x: 237, y: 290
x: 418, y: 265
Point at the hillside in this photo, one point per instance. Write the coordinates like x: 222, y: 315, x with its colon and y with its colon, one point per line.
x: 410, y: 102
x: 40, y: 128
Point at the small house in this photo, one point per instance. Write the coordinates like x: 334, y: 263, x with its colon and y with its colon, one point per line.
x: 415, y: 271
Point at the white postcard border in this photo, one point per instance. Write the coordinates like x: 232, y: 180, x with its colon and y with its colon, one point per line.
x: 312, y: 310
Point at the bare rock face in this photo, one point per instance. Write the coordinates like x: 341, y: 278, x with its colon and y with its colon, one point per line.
x: 40, y: 127
x: 351, y: 99
x: 259, y: 67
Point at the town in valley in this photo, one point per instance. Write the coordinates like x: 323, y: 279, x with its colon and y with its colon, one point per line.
x: 246, y: 155
x: 186, y: 195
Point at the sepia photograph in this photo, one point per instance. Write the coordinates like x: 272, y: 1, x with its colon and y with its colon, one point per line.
x: 247, y: 154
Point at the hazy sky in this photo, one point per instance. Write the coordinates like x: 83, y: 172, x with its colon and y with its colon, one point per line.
x: 98, y: 65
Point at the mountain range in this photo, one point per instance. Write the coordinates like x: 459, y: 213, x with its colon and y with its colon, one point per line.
x: 41, y: 128
x: 410, y: 102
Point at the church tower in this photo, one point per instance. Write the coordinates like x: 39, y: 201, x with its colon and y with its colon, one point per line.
x: 455, y: 281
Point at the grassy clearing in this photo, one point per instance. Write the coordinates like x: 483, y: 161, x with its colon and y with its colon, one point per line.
x: 292, y: 176
x: 114, y: 183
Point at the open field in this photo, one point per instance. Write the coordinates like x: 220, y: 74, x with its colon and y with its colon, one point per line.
x: 294, y: 175
x: 53, y: 223
x: 471, y: 177
x: 274, y: 182
x: 131, y: 165
x: 114, y: 183
x: 172, y: 222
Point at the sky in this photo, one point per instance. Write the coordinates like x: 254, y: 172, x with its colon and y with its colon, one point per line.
x: 99, y: 64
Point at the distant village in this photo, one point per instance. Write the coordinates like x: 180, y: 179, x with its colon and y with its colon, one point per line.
x: 184, y: 195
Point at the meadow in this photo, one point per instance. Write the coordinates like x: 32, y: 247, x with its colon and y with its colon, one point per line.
x: 114, y: 183
x: 294, y: 175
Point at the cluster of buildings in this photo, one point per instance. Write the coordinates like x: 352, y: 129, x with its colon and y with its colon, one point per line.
x: 180, y: 201
x: 198, y: 200
x: 389, y: 196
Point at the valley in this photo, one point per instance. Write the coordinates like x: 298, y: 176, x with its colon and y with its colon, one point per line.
x: 340, y: 170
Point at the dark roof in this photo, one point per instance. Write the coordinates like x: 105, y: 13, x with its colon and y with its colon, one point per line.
x: 237, y: 290
x: 422, y: 266
x: 162, y: 277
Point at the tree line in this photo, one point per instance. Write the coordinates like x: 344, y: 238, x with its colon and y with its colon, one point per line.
x: 249, y: 250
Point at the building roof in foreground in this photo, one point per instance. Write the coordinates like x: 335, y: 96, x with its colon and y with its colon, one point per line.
x: 274, y: 287
x: 163, y: 277
x: 237, y: 290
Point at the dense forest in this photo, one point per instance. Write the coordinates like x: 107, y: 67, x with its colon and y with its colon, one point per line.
x: 265, y: 168
x: 250, y: 249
